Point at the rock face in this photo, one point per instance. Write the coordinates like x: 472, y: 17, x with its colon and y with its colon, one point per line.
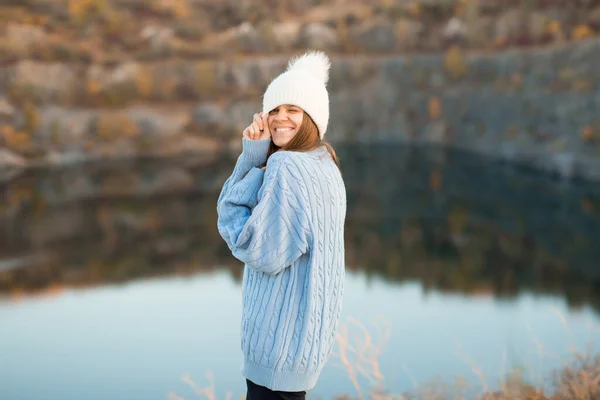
x: 8, y: 159
x: 48, y: 81
x: 319, y: 36
x: 537, y: 107
x: 540, y: 109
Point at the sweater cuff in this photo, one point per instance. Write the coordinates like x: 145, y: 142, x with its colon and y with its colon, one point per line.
x: 255, y: 151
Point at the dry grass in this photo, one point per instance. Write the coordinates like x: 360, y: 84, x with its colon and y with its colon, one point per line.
x: 358, y: 351
x: 580, y: 379
x: 360, y: 356
x: 207, y: 392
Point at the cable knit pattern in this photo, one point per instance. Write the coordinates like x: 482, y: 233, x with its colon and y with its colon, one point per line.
x: 287, y: 225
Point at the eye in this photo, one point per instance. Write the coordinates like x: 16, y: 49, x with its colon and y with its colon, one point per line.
x: 274, y: 111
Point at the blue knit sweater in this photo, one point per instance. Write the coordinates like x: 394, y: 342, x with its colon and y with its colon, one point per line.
x: 287, y: 225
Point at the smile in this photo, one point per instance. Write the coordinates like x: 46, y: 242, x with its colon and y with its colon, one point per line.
x: 283, y: 130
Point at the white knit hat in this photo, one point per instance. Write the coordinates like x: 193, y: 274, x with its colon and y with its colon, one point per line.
x: 303, y: 85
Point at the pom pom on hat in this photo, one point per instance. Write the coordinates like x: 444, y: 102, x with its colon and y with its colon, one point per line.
x: 303, y: 84
x: 315, y: 62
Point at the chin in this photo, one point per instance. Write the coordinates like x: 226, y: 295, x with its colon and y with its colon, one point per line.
x: 280, y: 143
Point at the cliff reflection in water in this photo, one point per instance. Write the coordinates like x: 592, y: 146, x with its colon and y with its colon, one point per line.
x: 452, y: 221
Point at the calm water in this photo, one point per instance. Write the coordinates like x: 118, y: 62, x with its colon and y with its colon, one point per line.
x: 114, y: 282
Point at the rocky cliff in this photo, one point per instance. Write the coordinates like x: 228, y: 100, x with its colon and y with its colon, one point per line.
x: 93, y: 79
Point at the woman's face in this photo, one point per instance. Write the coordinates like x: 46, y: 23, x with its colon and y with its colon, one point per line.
x: 284, y: 122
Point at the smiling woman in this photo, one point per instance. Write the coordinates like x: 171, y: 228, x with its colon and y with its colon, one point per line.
x: 294, y: 130
x: 284, y: 122
x: 282, y: 213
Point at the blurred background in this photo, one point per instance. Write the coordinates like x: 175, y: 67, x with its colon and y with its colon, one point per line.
x: 469, y: 139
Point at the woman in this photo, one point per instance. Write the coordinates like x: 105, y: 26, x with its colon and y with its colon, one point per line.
x: 282, y: 213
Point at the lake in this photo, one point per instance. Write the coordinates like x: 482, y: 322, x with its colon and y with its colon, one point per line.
x: 115, y: 284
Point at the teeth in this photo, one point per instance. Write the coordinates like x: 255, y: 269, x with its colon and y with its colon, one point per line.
x: 283, y: 129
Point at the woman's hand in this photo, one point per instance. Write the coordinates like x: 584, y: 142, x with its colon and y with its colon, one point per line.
x: 258, y: 129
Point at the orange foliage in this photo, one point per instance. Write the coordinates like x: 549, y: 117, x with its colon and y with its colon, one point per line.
x: 17, y: 139
x: 554, y: 27
x: 112, y: 126
x: 434, y: 107
x: 581, y: 32
x: 93, y: 87
x: 455, y: 63
x: 178, y: 8
x: 143, y: 82
x: 414, y: 9
x: 591, y: 133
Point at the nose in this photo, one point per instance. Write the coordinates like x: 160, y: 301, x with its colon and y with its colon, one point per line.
x: 281, y: 115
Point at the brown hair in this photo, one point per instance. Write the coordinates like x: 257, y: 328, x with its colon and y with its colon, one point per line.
x: 306, y: 139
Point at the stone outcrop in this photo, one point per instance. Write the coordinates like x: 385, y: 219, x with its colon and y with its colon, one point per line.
x: 540, y: 108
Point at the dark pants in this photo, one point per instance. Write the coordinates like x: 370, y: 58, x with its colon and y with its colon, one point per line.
x: 256, y: 392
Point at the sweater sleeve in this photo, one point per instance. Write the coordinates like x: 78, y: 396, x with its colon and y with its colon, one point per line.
x: 263, y: 217
x: 254, y: 153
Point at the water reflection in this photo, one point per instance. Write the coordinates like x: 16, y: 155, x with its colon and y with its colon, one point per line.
x: 452, y: 221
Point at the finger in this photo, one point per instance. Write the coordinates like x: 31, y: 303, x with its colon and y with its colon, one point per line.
x: 265, y: 123
x: 255, y: 119
x: 258, y: 121
x: 256, y: 129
